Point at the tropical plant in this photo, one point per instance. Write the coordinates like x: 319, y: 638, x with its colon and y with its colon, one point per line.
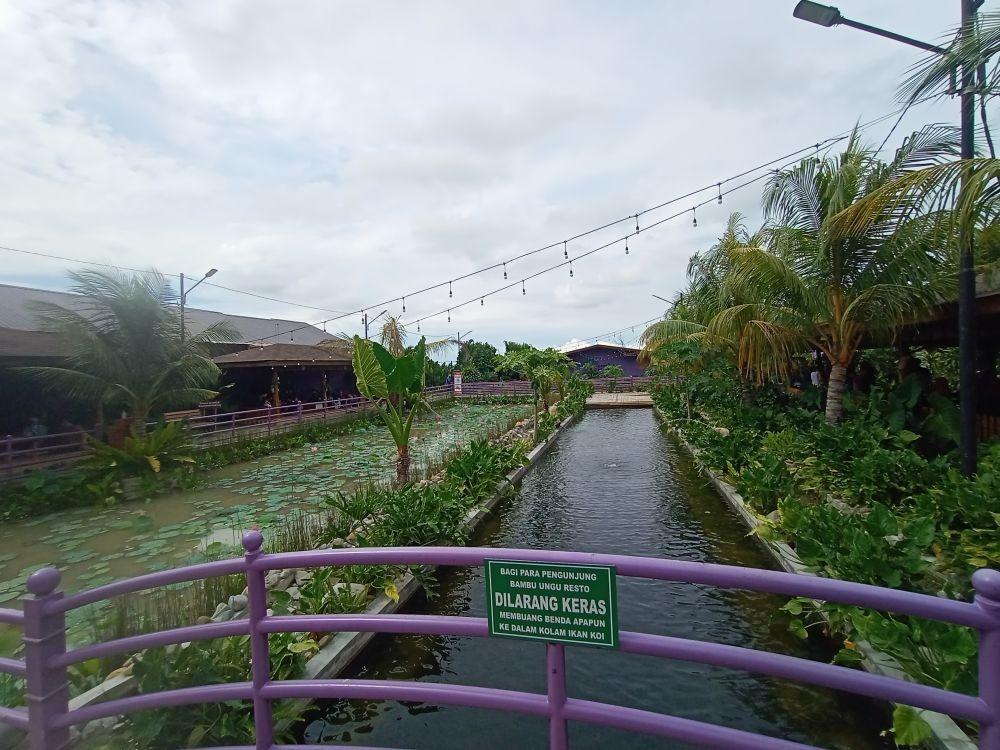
x: 123, y: 347
x: 544, y: 368
x: 477, y: 360
x: 395, y: 385
x: 612, y: 372
x: 822, y: 283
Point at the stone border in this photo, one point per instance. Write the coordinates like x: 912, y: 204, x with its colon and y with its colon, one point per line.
x: 343, y: 648
x: 947, y: 735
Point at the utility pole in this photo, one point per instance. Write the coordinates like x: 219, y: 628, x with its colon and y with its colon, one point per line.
x: 185, y: 292
x: 182, y: 309
x: 364, y: 319
x: 967, y: 271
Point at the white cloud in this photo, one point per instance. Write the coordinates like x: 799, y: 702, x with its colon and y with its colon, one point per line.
x: 343, y: 153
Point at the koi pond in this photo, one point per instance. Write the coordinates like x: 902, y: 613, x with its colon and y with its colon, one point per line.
x: 92, y: 547
x: 613, y: 483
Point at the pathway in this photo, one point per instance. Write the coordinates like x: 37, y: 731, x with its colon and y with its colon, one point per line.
x: 630, y: 400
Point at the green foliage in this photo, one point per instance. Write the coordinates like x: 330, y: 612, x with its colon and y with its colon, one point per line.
x: 436, y: 373
x: 859, y: 502
x: 223, y: 660
x: 477, y: 361
x: 164, y: 449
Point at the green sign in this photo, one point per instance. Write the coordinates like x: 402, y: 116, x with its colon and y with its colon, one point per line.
x: 553, y: 602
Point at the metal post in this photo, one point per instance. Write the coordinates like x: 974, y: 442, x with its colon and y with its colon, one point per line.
x: 555, y: 673
x: 967, y: 272
x: 260, y: 658
x: 365, y: 319
x: 987, y: 586
x: 182, y: 309
x: 47, y: 691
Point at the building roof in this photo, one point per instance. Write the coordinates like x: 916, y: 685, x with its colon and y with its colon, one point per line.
x: 16, y: 314
x: 575, y: 345
x: 274, y: 355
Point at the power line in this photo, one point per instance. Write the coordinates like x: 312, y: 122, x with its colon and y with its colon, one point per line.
x: 715, y: 186
x: 52, y: 256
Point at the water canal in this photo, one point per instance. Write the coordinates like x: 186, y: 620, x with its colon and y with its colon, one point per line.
x: 613, y: 483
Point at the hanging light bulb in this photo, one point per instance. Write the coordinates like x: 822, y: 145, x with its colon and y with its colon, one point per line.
x: 404, y: 304
x: 571, y: 269
x: 449, y: 314
x: 719, y: 185
x: 449, y: 289
x: 694, y: 215
x: 481, y: 303
x: 522, y: 288
x: 505, y: 270
x: 418, y: 326
x: 626, y: 245
x: 565, y: 251
x: 637, y: 223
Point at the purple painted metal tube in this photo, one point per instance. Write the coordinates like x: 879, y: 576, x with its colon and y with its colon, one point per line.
x: 674, y: 727
x: 555, y: 679
x: 804, y: 670
x: 987, y: 585
x: 135, y: 643
x: 402, y: 690
x: 13, y: 666
x: 734, y: 657
x: 47, y: 693
x: 260, y: 655
x: 234, y: 691
x: 14, y: 717
x: 725, y: 576
x: 148, y: 581
x: 11, y: 616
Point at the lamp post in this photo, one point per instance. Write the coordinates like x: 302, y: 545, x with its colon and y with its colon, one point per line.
x: 211, y: 272
x: 825, y: 15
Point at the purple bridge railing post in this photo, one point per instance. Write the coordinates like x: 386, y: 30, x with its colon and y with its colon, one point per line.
x: 987, y: 585
x: 260, y: 657
x: 47, y: 693
x: 555, y: 668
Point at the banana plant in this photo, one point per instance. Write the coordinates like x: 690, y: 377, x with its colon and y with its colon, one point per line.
x: 396, y: 386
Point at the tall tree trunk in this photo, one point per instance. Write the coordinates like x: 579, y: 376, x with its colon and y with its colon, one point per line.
x: 402, y: 464
x: 835, y: 393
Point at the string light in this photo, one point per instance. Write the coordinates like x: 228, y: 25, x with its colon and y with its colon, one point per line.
x: 719, y: 185
x: 505, y: 270
x: 481, y: 303
x: 694, y: 214
x: 404, y: 304
x: 571, y: 269
x: 565, y: 251
x: 449, y: 314
x: 522, y: 289
x: 449, y: 290
x: 418, y: 326
x: 637, y: 224
x: 626, y: 245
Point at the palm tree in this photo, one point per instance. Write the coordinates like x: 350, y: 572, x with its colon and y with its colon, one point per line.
x: 821, y: 283
x: 123, y: 347
x: 543, y: 368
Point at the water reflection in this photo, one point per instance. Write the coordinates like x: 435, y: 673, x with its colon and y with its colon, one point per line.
x: 614, y: 483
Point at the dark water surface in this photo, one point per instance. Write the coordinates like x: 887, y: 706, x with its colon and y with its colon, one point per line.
x: 613, y: 483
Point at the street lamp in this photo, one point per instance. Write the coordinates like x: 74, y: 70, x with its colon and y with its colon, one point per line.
x: 367, y: 322
x: 664, y: 299
x: 826, y: 15
x: 208, y: 274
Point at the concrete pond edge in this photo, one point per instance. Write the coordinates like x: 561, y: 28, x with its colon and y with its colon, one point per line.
x: 946, y: 733
x: 343, y: 648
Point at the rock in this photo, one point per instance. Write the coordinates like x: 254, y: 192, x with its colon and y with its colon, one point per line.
x: 302, y: 577
x: 722, y: 431
x: 272, y: 578
x: 203, y: 620
x: 338, y: 542
x: 354, y: 589
x: 222, y: 613
x: 286, y: 579
x: 237, y: 603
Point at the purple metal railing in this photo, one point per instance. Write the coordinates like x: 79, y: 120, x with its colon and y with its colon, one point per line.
x: 48, y: 717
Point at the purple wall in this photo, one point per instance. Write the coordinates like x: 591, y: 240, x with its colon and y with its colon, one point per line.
x: 602, y: 356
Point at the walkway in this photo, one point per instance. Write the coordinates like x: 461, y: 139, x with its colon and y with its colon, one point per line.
x: 630, y: 400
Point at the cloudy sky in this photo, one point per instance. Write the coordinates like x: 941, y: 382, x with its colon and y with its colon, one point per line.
x: 336, y: 154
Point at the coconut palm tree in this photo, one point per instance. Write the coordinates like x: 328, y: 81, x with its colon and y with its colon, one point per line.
x: 123, y: 347
x: 820, y: 283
